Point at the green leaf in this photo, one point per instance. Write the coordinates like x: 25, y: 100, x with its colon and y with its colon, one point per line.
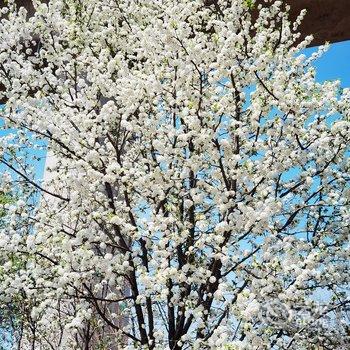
x: 250, y: 4
x: 4, y: 199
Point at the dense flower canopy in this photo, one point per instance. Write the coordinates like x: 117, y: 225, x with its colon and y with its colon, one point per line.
x: 199, y: 193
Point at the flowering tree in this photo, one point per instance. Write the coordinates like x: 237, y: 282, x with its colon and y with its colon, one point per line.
x: 199, y: 197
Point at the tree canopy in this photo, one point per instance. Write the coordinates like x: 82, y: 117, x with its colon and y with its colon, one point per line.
x: 199, y: 193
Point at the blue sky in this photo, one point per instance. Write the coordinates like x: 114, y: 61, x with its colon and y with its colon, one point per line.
x: 334, y: 64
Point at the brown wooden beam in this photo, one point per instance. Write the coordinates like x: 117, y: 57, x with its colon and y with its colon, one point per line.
x: 327, y: 20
